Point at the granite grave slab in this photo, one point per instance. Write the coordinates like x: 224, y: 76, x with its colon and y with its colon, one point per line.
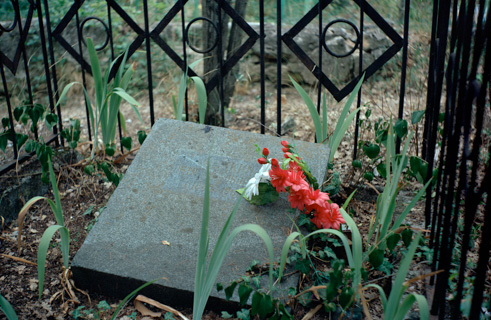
x: 151, y: 225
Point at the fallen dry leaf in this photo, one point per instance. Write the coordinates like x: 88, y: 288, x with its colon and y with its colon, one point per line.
x: 141, y: 298
x: 166, y: 243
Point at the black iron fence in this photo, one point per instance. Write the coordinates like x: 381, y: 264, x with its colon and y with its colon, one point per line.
x: 221, y: 55
x: 459, y: 67
x: 458, y: 145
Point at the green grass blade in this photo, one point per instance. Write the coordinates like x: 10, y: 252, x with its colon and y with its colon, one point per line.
x: 43, y: 251
x: 398, y: 287
x: 343, y: 239
x: 357, y: 247
x: 181, y: 95
x: 202, y: 98
x: 312, y: 110
x: 324, y: 118
x: 381, y: 292
x: 339, y: 133
x: 285, y: 250
x: 413, y: 202
x: 408, y: 303
x: 202, y: 249
x: 130, y: 296
x: 65, y: 91
x: 7, y: 309
x: 346, y: 203
x: 347, y: 106
x: 96, y: 71
x: 58, y: 211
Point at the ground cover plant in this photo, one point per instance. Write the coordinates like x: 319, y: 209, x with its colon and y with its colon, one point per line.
x: 383, y: 249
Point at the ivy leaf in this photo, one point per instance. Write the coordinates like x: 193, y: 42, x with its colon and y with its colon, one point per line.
x: 226, y: 315
x: 110, y: 149
x: 89, y: 169
x: 376, y: 258
x: 346, y: 298
x: 392, y: 241
x: 381, y: 169
x: 126, y: 143
x: 18, y: 112
x: 407, y: 236
x: 303, y: 265
x: 229, y: 291
x: 5, y: 123
x: 51, y: 120
x: 244, y: 293
x: 142, y: 135
x: 372, y: 150
x: 243, y: 314
x: 368, y: 176
x: 261, y: 305
x: 21, y: 139
x: 401, y: 128
x: 417, y: 116
x: 3, y: 141
x: 356, y: 164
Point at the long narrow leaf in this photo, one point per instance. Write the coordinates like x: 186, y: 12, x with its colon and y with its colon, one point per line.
x: 348, y: 104
x: 344, y: 240
x: 96, y: 71
x: 284, y: 252
x: 202, y: 98
x: 312, y: 110
x: 408, y: 303
x: 130, y: 296
x: 58, y: 212
x: 398, y: 287
x: 338, y: 135
x: 408, y: 208
x: 65, y: 91
x: 21, y: 217
x: 357, y: 248
x: 43, y: 251
x: 381, y: 292
x: 180, y: 97
x: 202, y: 249
x: 324, y: 118
x: 7, y: 309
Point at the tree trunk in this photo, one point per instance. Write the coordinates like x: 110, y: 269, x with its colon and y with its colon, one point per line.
x: 230, y: 41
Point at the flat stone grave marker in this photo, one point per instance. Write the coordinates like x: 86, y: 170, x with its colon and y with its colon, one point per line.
x: 151, y: 225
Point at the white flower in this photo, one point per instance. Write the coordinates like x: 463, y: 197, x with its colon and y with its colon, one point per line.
x: 264, y: 172
x: 252, y: 187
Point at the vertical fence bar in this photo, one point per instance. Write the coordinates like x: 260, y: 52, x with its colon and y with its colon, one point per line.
x: 24, y: 57
x: 220, y: 60
x: 185, y: 57
x: 84, y: 80
x: 278, y: 66
x: 46, y: 64
x: 360, y: 70
x: 111, y: 42
x: 53, y: 69
x: 9, y: 108
x: 402, y: 90
x: 149, y: 62
x: 261, y: 55
x: 319, y: 84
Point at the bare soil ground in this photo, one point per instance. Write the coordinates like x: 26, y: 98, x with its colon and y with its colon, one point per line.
x: 84, y: 197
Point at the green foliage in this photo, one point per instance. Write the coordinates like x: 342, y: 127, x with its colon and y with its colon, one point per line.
x: 344, y: 122
x: 7, y: 309
x: 104, y: 112
x: 72, y: 134
x: 393, y: 308
x: 267, y: 194
x: 200, y: 90
x: 206, y: 275
x: 50, y: 231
